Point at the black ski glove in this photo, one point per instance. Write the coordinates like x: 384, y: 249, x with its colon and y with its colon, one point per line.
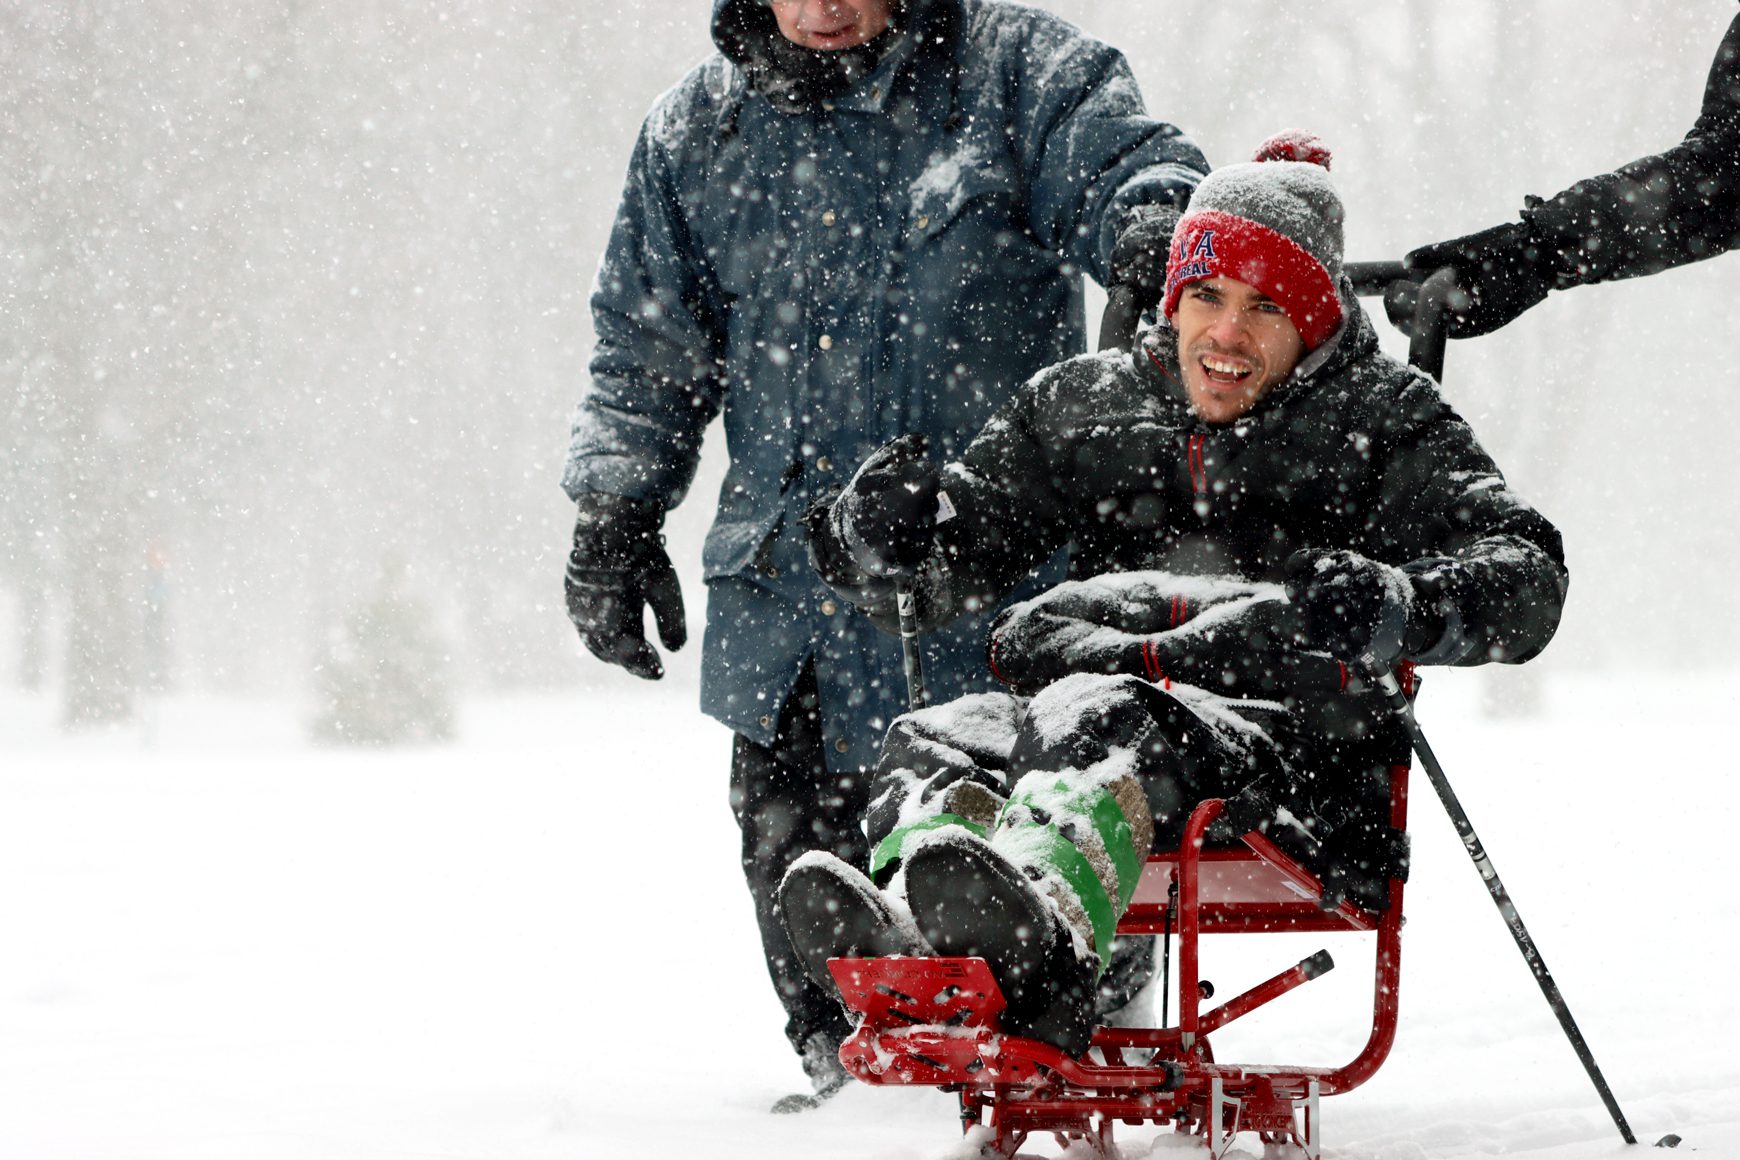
x: 618, y: 567
x: 1351, y: 607
x: 1139, y: 254
x: 887, y: 513
x: 1252, y: 808
x: 1500, y: 272
x: 1357, y: 862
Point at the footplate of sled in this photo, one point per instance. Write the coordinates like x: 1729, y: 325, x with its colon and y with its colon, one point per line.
x: 922, y: 1020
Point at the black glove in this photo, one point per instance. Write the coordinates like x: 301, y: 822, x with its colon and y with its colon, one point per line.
x: 1139, y: 255
x: 887, y: 513
x: 1352, y: 607
x: 1252, y: 808
x: 617, y: 567
x: 1500, y: 272
x: 1357, y: 862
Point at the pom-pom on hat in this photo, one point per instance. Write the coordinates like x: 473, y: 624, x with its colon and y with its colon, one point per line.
x: 1273, y: 223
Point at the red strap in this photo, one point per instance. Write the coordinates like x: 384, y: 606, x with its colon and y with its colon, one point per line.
x: 991, y: 658
x: 1151, y: 665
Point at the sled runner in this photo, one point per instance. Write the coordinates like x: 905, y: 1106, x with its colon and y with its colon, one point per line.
x: 934, y: 1021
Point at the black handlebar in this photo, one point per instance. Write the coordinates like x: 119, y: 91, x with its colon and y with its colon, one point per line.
x: 1431, y: 307
x: 1118, y: 323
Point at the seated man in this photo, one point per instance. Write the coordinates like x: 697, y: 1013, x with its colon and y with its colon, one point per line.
x: 1258, y: 495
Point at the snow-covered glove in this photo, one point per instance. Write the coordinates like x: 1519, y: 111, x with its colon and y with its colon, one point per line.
x: 1500, y: 272
x: 1076, y: 627
x: 1352, y: 607
x: 874, y: 596
x: 1220, y: 633
x: 887, y: 513
x: 617, y: 568
x: 1139, y: 254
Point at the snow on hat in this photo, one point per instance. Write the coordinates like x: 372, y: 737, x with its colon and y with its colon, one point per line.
x: 1273, y: 223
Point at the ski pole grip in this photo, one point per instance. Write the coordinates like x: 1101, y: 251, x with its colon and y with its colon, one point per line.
x: 1383, y: 678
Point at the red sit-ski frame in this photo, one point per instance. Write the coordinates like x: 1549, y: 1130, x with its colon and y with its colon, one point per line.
x: 933, y: 1021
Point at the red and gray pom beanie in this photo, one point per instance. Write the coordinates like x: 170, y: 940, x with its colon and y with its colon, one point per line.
x: 1273, y: 223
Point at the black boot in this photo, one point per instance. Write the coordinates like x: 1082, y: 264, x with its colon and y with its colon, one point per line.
x: 831, y: 910
x: 821, y: 1060
x: 971, y: 902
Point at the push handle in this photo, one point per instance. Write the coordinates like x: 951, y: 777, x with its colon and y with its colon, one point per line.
x: 1118, y: 323
x: 1431, y: 328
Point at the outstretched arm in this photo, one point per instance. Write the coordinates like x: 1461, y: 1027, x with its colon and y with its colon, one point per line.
x: 1661, y: 211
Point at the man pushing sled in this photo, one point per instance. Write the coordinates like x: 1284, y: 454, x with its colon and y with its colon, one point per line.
x: 1254, y: 496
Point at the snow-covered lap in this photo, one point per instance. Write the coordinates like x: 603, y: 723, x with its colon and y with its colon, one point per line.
x: 535, y: 943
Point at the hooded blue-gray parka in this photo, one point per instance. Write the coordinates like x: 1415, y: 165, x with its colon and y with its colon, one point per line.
x: 900, y: 258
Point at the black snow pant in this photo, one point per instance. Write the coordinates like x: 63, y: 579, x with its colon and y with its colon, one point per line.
x: 787, y: 803
x: 1183, y: 744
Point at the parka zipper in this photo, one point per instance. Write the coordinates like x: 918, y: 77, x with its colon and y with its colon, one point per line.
x: 1198, y: 468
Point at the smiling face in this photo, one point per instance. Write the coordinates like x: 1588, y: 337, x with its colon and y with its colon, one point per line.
x: 1235, y: 345
x: 830, y: 24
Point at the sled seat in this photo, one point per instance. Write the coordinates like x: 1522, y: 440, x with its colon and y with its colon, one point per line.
x: 933, y: 1021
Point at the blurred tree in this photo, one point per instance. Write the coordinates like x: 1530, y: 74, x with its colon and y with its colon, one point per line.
x: 286, y: 286
x: 384, y: 677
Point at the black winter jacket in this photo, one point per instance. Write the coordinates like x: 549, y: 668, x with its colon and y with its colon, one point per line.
x: 1659, y: 211
x: 1355, y: 450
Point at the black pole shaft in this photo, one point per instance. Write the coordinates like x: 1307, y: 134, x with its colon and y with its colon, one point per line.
x: 1383, y: 678
x: 916, y: 697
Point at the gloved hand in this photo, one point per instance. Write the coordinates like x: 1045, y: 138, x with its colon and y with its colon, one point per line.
x: 1139, y: 254
x: 1252, y: 808
x: 1350, y: 606
x: 1500, y: 272
x: 886, y: 514
x: 617, y: 567
x: 1357, y: 862
x: 1037, y: 642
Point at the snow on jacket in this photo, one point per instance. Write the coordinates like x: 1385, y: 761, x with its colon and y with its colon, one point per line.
x: 1660, y: 211
x: 1355, y: 450
x: 898, y: 259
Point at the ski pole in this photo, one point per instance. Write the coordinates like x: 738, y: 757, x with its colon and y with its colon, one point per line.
x: 916, y: 697
x: 1380, y: 675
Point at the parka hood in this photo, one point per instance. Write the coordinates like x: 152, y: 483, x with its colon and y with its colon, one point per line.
x: 734, y: 19
x: 794, y: 78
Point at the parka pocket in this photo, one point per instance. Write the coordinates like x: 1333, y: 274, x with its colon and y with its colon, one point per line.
x: 971, y: 260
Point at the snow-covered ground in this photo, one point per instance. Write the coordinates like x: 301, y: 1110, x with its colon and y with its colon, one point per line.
x: 227, y: 944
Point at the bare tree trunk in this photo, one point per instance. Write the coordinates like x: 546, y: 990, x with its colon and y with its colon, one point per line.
x: 101, y: 643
